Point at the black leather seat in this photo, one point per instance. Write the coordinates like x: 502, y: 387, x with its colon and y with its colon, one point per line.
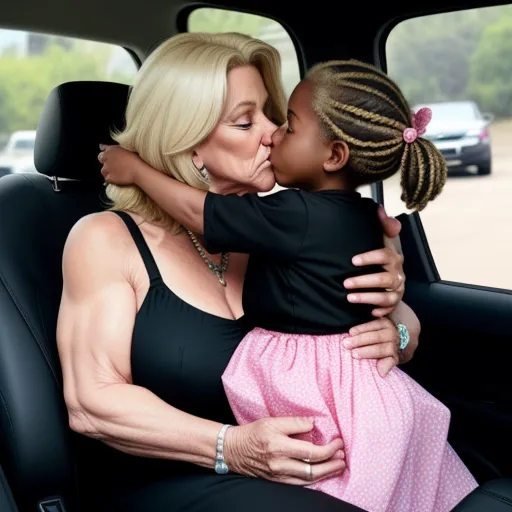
x: 7, y: 503
x: 37, y: 212
x: 37, y: 449
x: 493, y: 496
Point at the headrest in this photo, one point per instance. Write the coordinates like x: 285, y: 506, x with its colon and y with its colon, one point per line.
x: 75, y: 119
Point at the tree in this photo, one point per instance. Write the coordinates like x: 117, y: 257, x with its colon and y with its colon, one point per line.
x: 220, y: 20
x: 491, y: 68
x: 26, y: 82
x: 430, y: 56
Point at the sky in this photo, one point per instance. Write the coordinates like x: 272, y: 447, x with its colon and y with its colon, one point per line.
x: 121, y: 59
x: 9, y: 37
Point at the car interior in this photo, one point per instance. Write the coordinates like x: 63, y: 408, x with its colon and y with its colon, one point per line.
x: 465, y: 346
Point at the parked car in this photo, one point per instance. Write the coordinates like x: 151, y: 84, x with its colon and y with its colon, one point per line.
x: 460, y: 131
x: 18, y: 155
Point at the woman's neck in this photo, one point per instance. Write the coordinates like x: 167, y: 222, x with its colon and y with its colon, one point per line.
x: 224, y: 188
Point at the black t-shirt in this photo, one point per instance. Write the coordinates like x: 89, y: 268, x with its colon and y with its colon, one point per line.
x: 301, y: 245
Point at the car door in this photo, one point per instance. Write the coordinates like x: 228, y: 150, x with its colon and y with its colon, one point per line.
x: 464, y: 354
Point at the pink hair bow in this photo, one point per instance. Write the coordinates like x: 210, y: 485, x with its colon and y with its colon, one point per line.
x: 420, y: 122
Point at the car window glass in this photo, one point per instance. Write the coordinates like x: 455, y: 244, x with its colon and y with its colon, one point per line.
x: 31, y: 65
x: 460, y: 65
x: 206, y: 19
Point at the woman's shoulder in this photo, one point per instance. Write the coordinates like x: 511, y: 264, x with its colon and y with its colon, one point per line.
x: 97, y: 235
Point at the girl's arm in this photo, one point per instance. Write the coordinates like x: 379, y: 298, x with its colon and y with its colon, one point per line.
x: 182, y: 202
x: 250, y: 224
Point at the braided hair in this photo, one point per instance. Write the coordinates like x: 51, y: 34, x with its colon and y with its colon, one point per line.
x: 361, y: 106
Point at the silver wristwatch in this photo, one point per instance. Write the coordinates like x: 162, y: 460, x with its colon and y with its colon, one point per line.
x: 221, y: 468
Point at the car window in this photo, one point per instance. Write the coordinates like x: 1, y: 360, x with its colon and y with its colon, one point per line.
x: 221, y: 20
x: 24, y: 144
x: 460, y: 110
x: 460, y: 64
x: 31, y: 65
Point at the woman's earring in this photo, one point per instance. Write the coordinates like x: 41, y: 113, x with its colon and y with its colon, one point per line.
x: 204, y: 174
x: 203, y: 171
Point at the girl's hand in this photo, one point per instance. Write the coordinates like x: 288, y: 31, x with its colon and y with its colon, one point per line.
x: 379, y: 339
x: 265, y: 449
x: 120, y: 166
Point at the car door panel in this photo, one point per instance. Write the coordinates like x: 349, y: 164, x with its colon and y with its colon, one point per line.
x: 464, y: 355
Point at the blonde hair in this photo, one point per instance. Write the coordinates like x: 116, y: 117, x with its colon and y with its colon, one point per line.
x: 176, y: 102
x: 362, y: 106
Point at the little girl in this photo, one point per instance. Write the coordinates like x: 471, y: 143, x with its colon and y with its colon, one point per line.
x: 348, y: 125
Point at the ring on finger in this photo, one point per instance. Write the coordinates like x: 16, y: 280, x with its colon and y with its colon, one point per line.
x: 309, y: 472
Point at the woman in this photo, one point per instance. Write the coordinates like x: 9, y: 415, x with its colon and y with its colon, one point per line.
x: 145, y: 329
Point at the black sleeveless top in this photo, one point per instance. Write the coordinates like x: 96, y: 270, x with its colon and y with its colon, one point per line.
x: 179, y: 353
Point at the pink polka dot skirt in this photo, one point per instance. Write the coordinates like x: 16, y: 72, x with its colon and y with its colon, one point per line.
x: 395, y: 432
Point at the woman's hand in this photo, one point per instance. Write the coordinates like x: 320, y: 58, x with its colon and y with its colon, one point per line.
x: 392, y: 280
x: 120, y: 166
x: 379, y: 339
x: 265, y: 449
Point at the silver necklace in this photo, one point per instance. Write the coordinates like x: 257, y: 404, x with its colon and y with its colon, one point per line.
x: 218, y: 270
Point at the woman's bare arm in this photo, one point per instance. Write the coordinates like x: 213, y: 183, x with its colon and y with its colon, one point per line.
x: 94, y: 334
x: 403, y: 313
x: 95, y: 327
